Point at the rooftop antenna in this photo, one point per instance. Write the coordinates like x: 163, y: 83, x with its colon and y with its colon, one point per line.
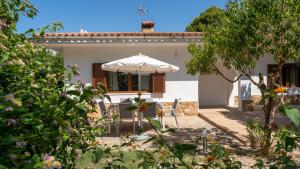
x: 82, y: 30
x: 142, y: 12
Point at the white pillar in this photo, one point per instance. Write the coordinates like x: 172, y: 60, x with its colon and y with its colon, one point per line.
x: 239, y: 93
x: 239, y: 96
x: 232, y: 94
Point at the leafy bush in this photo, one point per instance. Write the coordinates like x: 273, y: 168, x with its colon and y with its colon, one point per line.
x: 219, y: 157
x: 40, y: 115
x: 286, y: 141
x: 43, y: 121
x: 257, y: 136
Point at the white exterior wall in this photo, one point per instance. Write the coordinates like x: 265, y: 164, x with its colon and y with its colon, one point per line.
x: 209, y: 90
x: 248, y: 89
x: 178, y: 84
x: 215, y: 90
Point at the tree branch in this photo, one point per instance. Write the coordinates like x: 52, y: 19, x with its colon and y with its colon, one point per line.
x: 250, y: 78
x: 226, y: 78
x: 168, y: 146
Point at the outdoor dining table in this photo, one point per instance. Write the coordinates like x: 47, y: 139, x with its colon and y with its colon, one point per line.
x: 124, y: 113
x: 293, y: 91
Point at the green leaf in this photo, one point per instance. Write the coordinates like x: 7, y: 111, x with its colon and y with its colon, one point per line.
x: 155, y: 123
x: 169, y: 130
x: 81, y: 108
x: 148, y: 140
x: 5, y: 57
x: 260, y: 164
x: 8, y: 140
x: 292, y: 113
x: 137, y: 99
x: 74, y: 92
x: 3, y: 167
x: 290, y: 143
x: 131, y: 108
x: 291, y: 166
x: 39, y: 127
x: 99, y: 153
x: 65, y: 137
x: 108, y: 98
x: 182, y: 148
x: 185, y: 147
x: 165, y: 164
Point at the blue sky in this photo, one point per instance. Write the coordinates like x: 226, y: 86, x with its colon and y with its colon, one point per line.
x: 116, y: 15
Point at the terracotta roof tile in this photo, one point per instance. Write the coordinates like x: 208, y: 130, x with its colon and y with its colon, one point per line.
x: 109, y: 34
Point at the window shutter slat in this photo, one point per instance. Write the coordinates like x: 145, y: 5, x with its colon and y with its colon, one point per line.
x: 158, y: 82
x: 99, y: 75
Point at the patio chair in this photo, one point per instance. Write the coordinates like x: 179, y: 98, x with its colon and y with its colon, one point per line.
x: 109, y: 113
x: 151, y: 108
x: 124, y: 113
x: 170, y: 111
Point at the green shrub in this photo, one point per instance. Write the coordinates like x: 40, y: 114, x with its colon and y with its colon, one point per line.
x: 285, y: 142
x: 257, y: 136
x: 43, y: 121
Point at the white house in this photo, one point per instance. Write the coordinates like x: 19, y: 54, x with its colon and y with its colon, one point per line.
x: 91, y: 49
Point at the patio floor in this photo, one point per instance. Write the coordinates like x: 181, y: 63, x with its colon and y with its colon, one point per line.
x: 227, y: 126
x: 231, y: 121
x: 189, y: 127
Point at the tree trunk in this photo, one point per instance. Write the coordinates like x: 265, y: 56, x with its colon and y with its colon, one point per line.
x: 270, y: 106
x: 270, y: 110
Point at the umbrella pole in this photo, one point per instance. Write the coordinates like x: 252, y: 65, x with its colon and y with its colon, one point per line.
x: 140, y: 114
x: 139, y: 86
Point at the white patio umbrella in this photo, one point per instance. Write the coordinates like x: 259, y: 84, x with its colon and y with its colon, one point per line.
x: 139, y: 64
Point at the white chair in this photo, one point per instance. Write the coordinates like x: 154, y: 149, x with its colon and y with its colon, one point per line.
x: 170, y: 111
x: 126, y: 114
x: 110, y: 113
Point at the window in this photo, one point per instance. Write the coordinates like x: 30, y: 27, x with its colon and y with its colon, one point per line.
x: 119, y: 81
x: 290, y: 74
x: 127, y: 82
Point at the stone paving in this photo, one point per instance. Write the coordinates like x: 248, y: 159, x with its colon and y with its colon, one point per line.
x: 233, y: 122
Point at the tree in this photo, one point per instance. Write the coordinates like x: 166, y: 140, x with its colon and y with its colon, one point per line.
x: 248, y: 31
x: 210, y: 16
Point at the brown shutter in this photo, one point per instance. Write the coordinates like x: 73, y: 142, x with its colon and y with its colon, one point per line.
x: 158, y: 82
x: 99, y: 75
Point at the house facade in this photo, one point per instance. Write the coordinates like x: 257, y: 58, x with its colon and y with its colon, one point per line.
x: 89, y: 50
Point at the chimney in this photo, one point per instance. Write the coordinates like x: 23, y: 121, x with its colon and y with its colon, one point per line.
x: 147, y: 26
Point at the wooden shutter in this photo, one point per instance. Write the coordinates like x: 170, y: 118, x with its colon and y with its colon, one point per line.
x: 158, y: 82
x: 99, y: 75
